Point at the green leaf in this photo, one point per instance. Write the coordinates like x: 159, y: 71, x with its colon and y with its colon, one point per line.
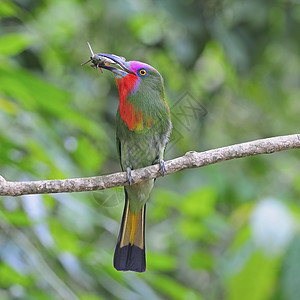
x: 87, y: 156
x: 7, y: 106
x: 65, y: 240
x: 199, y: 203
x: 202, y: 260
x: 165, y: 201
x: 91, y: 296
x: 170, y: 287
x: 9, y: 277
x: 160, y: 261
x: 192, y: 229
x: 7, y: 8
x: 291, y: 271
x: 255, y: 280
x: 17, y: 218
x: 14, y: 43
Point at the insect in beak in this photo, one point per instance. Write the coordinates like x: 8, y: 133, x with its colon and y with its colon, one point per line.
x: 104, y: 60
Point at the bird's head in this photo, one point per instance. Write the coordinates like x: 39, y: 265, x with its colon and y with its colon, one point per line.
x: 134, y: 76
x: 131, y: 76
x: 141, y: 88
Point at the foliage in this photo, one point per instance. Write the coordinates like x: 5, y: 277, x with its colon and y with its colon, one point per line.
x: 231, y: 70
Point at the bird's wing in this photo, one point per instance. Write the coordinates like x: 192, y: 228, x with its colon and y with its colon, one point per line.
x: 118, y: 142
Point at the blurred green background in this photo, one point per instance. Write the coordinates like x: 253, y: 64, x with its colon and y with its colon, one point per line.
x: 228, y: 231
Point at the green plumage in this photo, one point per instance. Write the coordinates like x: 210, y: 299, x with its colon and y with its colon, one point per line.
x: 143, y: 128
x: 141, y: 148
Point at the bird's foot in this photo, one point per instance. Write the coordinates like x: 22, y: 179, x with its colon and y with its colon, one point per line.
x: 129, y: 177
x: 162, y: 167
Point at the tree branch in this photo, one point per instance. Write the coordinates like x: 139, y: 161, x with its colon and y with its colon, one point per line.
x: 191, y: 159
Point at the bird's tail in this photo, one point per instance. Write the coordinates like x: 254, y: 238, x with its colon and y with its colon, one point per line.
x: 130, y: 249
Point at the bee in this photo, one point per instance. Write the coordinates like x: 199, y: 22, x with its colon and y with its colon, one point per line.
x: 104, y: 60
x: 97, y: 60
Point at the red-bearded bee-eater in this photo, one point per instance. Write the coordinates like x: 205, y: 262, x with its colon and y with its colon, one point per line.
x: 143, y: 129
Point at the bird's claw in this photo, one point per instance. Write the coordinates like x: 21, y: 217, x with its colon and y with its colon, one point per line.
x: 162, y: 167
x: 129, y: 177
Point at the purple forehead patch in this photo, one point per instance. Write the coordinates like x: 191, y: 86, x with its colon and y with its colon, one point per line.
x: 135, y: 65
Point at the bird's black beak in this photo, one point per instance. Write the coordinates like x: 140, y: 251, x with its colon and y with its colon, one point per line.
x: 110, y: 59
x: 105, y: 61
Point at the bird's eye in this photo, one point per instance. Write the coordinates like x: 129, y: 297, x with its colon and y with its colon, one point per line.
x: 142, y: 72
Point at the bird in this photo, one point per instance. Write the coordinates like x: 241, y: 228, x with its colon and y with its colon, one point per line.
x: 143, y: 127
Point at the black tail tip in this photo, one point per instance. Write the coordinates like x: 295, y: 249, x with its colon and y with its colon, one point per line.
x: 130, y: 258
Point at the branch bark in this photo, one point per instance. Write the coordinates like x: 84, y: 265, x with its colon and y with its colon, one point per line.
x: 191, y: 159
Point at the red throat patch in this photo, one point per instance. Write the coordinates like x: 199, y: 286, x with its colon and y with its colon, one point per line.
x: 131, y: 116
